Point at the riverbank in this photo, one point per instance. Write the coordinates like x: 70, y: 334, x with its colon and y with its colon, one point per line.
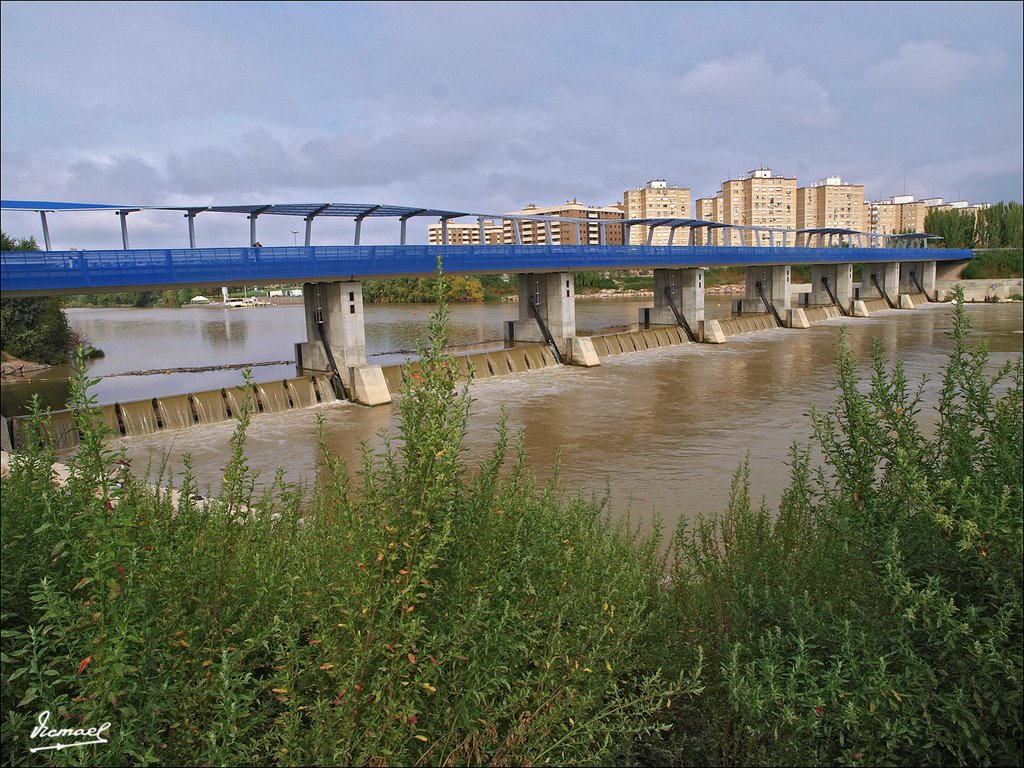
x: 641, y: 293
x: 14, y: 369
x: 981, y: 290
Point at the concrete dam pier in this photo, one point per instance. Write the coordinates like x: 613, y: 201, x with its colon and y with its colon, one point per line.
x: 336, y: 336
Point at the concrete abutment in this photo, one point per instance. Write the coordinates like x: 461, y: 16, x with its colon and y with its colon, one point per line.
x: 918, y: 277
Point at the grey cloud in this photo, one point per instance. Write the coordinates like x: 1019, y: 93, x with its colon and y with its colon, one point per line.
x: 748, y: 83
x: 925, y: 68
x: 117, y: 180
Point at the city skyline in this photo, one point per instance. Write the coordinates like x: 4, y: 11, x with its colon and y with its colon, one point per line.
x: 482, y: 106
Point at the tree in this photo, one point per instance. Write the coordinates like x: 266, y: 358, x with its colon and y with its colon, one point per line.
x: 33, y: 328
x: 957, y: 228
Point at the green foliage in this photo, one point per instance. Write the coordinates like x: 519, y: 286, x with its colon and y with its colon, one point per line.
x: 427, y: 614
x: 497, y: 286
x: 418, y: 611
x: 630, y: 282
x: 414, y: 290
x: 1001, y: 226
x: 998, y: 226
x: 994, y: 265
x: 8, y: 243
x: 118, y: 299
x: 800, y: 273
x: 724, y: 276
x: 957, y: 228
x: 592, y: 281
x: 877, y: 617
x: 33, y: 328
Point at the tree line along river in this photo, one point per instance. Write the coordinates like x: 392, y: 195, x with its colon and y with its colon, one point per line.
x: 661, y: 431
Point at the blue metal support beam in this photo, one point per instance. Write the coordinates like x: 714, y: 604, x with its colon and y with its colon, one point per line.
x: 404, y: 223
x: 359, y: 222
x: 190, y: 214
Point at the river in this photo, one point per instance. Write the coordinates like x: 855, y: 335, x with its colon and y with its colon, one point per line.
x: 661, y: 431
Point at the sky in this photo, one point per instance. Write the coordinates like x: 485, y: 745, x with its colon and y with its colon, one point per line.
x: 486, y: 107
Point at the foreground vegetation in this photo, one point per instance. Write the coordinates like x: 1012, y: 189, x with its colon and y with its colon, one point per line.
x: 417, y: 612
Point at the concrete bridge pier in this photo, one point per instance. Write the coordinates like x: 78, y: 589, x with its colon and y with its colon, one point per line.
x: 918, y: 276
x: 839, y: 279
x: 547, y: 302
x: 334, y: 312
x: 885, y: 274
x: 684, y: 288
x: 774, y: 284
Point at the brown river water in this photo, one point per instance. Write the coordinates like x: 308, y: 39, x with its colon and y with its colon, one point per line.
x: 662, y: 431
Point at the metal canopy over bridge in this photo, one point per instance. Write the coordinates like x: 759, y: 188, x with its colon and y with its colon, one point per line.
x: 84, y: 271
x: 358, y: 212
x: 308, y: 212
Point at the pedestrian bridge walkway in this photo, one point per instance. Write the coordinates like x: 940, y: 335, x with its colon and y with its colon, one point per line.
x: 48, y: 273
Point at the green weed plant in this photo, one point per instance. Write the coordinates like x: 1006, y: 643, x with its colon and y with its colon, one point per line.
x: 415, y: 614
x: 416, y: 611
x: 876, y: 618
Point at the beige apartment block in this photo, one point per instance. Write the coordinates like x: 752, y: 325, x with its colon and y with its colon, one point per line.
x: 912, y: 216
x: 564, y: 233
x: 830, y: 203
x: 761, y: 199
x: 884, y: 218
x: 656, y: 200
x: 463, y: 233
x: 709, y: 209
x: 903, y: 214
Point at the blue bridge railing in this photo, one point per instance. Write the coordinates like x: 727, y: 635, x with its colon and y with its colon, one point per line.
x: 62, y: 272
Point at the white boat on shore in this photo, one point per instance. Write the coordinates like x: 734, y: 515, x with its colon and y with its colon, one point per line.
x: 248, y: 301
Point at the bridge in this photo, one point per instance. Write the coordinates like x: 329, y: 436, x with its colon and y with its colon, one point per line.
x: 895, y: 269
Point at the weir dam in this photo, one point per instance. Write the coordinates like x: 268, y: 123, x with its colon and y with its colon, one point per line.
x: 897, y: 272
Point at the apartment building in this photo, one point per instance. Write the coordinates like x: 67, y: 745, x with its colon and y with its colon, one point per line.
x: 656, y: 200
x: 884, y: 217
x: 464, y: 233
x: 536, y: 232
x: 912, y: 215
x: 709, y: 209
x: 565, y: 233
x: 830, y: 203
x: 761, y: 199
x: 903, y: 213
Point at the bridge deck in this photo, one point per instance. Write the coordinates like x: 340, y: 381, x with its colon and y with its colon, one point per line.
x: 36, y: 273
